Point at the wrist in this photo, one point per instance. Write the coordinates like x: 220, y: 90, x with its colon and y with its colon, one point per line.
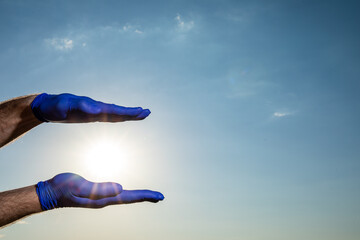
x: 35, y: 106
x: 47, y: 196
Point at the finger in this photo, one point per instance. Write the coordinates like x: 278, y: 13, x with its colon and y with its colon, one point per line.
x: 93, y: 190
x: 112, y: 109
x: 124, y: 197
x: 143, y: 114
x: 122, y: 117
x: 133, y: 196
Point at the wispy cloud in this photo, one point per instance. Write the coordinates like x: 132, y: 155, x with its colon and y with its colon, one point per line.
x: 61, y: 44
x: 182, y: 25
x: 131, y: 29
x: 79, y: 38
x: 127, y: 28
x: 281, y: 114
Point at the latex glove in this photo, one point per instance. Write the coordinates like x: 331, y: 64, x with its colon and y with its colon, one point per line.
x: 69, y: 108
x: 72, y: 190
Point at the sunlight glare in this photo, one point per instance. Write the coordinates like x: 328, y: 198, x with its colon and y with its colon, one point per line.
x: 105, y: 159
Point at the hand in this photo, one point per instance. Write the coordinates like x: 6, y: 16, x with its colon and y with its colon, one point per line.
x: 68, y: 108
x: 72, y: 190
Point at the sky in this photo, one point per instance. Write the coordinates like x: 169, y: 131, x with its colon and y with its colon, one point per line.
x: 254, y: 130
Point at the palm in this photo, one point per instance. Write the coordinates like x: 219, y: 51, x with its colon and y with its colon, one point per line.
x: 72, y: 190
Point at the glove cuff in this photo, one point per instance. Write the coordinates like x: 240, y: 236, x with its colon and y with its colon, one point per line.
x: 35, y: 106
x: 46, y: 196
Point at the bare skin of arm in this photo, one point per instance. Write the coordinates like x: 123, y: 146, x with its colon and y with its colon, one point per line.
x: 18, y: 203
x: 16, y: 118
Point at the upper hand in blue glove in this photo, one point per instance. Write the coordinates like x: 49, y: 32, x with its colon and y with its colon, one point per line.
x: 71, y: 190
x: 69, y: 108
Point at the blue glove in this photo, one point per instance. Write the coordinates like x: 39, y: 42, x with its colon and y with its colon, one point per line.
x: 68, y: 108
x: 71, y: 190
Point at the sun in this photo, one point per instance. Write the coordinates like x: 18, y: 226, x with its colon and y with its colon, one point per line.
x: 105, y: 159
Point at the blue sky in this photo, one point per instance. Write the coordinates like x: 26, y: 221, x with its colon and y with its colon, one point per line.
x: 255, y: 108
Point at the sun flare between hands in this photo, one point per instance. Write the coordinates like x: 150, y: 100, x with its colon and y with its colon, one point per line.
x: 105, y: 159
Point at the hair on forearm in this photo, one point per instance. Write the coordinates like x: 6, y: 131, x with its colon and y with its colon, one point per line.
x: 18, y: 203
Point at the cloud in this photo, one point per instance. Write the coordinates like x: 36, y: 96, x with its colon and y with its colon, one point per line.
x: 127, y: 27
x: 79, y: 38
x: 130, y: 28
x: 61, y: 44
x: 182, y: 25
x: 281, y: 114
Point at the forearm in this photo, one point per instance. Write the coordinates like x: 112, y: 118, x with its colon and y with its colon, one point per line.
x: 18, y: 203
x: 16, y: 118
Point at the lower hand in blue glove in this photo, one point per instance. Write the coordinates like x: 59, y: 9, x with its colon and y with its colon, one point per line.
x: 69, y: 108
x: 71, y: 190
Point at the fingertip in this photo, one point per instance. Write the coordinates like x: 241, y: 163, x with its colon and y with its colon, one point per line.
x: 161, y: 196
x: 156, y: 197
x: 144, y: 114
